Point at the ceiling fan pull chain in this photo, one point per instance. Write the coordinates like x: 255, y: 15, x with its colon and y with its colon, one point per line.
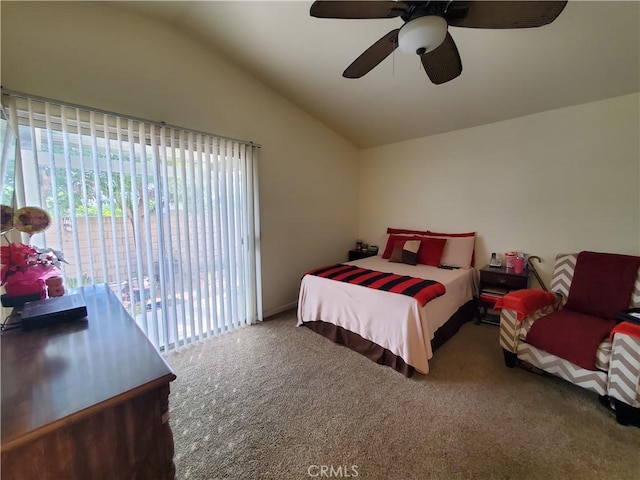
x: 393, y: 57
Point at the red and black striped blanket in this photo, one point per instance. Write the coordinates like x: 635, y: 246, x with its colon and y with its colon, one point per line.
x: 419, y: 288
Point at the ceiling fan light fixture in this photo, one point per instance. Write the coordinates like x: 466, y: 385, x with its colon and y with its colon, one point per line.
x: 423, y: 34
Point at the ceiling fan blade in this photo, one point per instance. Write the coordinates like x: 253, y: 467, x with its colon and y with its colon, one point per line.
x: 443, y: 63
x: 503, y: 14
x: 373, y: 55
x: 357, y: 9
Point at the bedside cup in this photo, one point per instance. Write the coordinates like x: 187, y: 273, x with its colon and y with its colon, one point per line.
x: 518, y: 265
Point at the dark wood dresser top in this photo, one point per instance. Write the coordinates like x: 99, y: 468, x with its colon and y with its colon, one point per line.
x: 61, y: 374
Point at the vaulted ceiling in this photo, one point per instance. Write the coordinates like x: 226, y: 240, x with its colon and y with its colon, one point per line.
x: 590, y: 52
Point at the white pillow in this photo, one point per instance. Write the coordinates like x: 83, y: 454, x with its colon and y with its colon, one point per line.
x: 458, y: 251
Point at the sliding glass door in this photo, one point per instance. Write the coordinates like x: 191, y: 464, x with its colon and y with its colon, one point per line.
x: 167, y: 217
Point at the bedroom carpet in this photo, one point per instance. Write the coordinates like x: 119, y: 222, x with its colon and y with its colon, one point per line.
x: 274, y: 401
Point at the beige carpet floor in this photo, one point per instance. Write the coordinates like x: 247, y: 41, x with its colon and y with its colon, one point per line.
x: 274, y: 401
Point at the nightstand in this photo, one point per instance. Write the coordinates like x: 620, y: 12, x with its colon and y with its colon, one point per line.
x: 357, y: 255
x: 495, y: 283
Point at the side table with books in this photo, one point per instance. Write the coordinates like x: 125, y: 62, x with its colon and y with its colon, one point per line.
x: 495, y: 282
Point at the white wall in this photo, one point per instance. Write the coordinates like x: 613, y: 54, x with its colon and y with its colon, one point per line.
x: 91, y: 54
x: 560, y: 181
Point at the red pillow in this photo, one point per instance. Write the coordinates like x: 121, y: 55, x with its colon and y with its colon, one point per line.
x: 468, y: 234
x: 392, y: 241
x: 405, y: 231
x: 431, y: 249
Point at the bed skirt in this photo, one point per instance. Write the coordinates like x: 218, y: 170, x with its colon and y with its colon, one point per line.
x: 382, y: 356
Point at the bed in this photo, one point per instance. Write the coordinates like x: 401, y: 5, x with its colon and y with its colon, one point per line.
x: 390, y: 328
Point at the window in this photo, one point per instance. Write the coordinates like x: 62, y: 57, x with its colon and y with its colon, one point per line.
x: 167, y: 217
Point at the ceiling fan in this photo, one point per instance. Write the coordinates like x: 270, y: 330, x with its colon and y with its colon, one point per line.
x: 425, y: 28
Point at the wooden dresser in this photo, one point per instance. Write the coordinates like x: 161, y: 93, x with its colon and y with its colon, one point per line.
x: 85, y: 400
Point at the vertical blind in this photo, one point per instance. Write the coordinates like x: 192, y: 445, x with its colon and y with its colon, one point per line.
x: 167, y: 217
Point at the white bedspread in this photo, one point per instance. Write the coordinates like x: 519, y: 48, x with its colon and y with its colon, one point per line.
x: 393, y: 321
